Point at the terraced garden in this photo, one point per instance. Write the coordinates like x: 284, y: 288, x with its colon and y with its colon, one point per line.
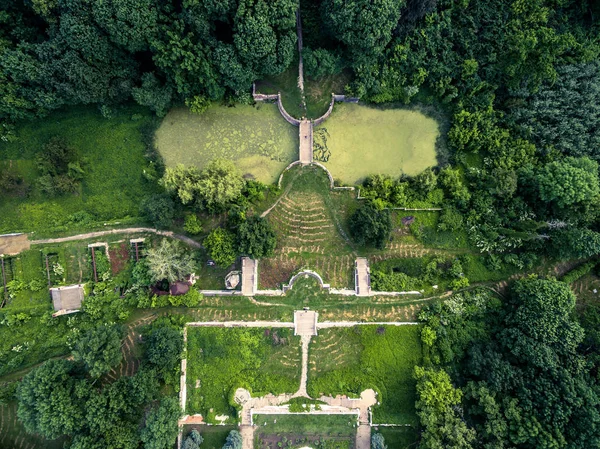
x: 350, y: 360
x: 256, y: 138
x: 308, y: 231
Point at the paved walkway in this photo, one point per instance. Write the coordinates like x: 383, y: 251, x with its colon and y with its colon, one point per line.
x: 305, y: 322
x: 306, y: 142
x: 249, y: 276
x: 305, y: 341
x: 362, y: 277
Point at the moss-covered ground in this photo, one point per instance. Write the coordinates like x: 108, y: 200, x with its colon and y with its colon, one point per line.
x: 256, y: 138
x: 364, y: 140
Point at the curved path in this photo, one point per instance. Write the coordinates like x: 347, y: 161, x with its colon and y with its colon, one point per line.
x: 91, y: 235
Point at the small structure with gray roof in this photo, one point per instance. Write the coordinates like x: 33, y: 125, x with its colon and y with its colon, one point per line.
x: 67, y: 299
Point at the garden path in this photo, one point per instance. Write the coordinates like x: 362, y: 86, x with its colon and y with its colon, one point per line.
x: 306, y: 142
x: 91, y: 235
x: 249, y: 276
x: 362, y: 277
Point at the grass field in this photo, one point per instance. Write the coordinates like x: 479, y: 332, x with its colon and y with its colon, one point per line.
x: 364, y: 140
x: 350, y: 360
x: 256, y: 138
x: 112, y: 187
x: 220, y: 360
x: 275, y: 431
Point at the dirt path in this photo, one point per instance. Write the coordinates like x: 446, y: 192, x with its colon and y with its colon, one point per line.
x: 91, y: 235
x: 300, y: 61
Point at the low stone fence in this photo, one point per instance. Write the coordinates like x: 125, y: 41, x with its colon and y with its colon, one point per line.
x: 284, y: 113
x: 321, y: 119
x: 220, y: 292
x: 311, y: 273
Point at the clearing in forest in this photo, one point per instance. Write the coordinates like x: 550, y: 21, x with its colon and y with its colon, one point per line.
x: 351, y: 360
x: 358, y: 141
x: 256, y: 138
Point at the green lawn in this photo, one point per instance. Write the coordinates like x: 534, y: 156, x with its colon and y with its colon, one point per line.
x: 257, y: 138
x: 365, y: 140
x: 333, y: 431
x: 398, y: 437
x: 350, y: 360
x: 113, y: 184
x: 221, y: 360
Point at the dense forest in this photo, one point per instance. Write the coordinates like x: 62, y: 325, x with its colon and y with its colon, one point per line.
x: 518, y: 80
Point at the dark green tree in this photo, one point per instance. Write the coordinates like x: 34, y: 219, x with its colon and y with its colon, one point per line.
x: 99, y: 348
x: 256, y: 238
x: 370, y: 226
x: 158, y: 209
x: 163, y: 348
x: 160, y: 429
x: 52, y: 400
x: 234, y: 440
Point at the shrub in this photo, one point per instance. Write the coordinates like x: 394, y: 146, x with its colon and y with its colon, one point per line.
x: 220, y: 245
x: 393, y: 282
x: 158, y: 209
x: 192, y: 225
x: 370, y: 226
x: 320, y: 62
x: 578, y: 272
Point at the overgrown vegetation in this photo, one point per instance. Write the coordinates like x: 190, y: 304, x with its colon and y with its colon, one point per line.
x: 222, y: 360
x: 350, y: 360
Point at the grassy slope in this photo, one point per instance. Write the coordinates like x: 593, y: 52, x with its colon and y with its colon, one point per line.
x: 257, y: 138
x: 226, y: 359
x: 307, y: 234
x: 348, y: 361
x: 113, y: 184
x: 365, y: 140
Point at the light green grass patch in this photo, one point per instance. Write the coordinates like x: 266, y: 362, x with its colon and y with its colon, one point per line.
x: 220, y: 360
x: 365, y: 140
x: 256, y: 138
x: 398, y: 437
x: 351, y: 360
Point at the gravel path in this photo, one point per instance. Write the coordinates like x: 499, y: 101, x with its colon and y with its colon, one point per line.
x: 91, y: 235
